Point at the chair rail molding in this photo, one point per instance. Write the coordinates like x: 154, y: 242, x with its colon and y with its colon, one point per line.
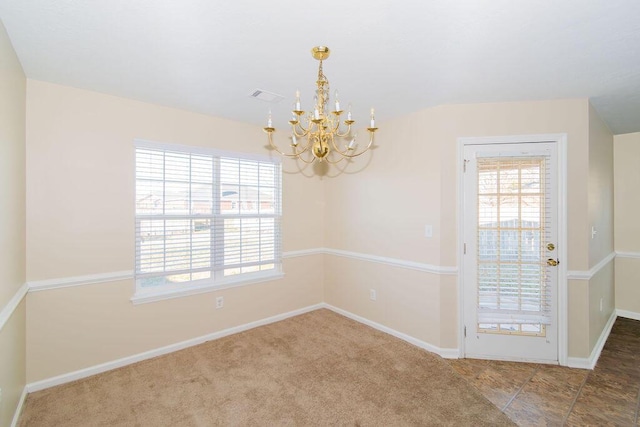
x: 628, y: 254
x: 90, y: 279
x: 14, y: 302
x: 588, y: 275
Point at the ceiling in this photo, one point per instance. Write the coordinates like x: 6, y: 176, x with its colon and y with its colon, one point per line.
x: 400, y: 56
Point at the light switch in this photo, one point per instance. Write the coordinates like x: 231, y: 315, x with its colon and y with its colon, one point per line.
x: 428, y: 231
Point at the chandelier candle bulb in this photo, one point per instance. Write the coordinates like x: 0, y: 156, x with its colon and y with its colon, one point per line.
x: 352, y: 143
x: 349, y: 112
x: 269, y: 121
x: 337, y: 102
x: 373, y: 121
x: 298, y: 100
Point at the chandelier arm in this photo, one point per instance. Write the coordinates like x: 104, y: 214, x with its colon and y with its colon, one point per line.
x: 313, y: 159
x: 304, y: 150
x: 307, y: 147
x: 294, y: 155
x: 342, y: 135
x: 335, y: 128
x: 304, y: 133
x: 335, y: 161
x: 302, y: 128
x: 310, y: 158
x: 351, y: 156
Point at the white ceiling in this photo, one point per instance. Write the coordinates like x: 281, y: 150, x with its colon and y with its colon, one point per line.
x: 399, y: 56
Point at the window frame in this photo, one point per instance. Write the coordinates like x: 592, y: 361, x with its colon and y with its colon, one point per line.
x: 217, y: 279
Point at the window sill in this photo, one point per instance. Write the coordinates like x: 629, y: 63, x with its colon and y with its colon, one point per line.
x: 146, y: 297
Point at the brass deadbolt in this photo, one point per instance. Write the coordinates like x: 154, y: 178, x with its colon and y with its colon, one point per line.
x: 550, y: 246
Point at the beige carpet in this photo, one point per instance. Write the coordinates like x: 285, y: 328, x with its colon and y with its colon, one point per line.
x: 319, y: 368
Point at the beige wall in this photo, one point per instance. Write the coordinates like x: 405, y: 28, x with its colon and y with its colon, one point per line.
x: 578, y: 315
x: 12, y: 170
x: 80, y: 211
x: 13, y: 363
x: 601, y: 288
x: 522, y: 118
x: 81, y: 169
x: 12, y: 225
x: 406, y: 300
x: 627, y: 226
x: 587, y: 319
x: 412, y: 182
x: 627, y: 289
x: 79, y: 327
x: 600, y: 188
x: 601, y: 285
x: 80, y: 215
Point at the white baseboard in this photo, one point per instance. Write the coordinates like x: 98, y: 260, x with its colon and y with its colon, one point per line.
x: 18, y: 412
x: 628, y: 314
x: 103, y: 367
x: 450, y: 353
x: 579, y: 362
x: 447, y: 353
x: 590, y: 362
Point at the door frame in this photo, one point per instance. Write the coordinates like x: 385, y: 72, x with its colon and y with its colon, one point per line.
x: 563, y: 304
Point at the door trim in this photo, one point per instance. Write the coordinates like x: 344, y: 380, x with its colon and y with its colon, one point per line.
x: 563, y: 304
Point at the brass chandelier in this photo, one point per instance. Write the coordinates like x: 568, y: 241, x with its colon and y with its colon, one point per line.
x: 321, y: 129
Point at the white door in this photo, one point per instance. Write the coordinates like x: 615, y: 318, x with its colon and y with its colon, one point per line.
x: 510, y: 229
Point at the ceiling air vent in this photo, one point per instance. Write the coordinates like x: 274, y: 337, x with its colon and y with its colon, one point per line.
x: 265, y: 96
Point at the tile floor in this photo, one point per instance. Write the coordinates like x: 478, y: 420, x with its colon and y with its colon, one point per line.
x: 536, y: 394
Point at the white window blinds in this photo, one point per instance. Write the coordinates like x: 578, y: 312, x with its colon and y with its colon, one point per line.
x: 204, y: 217
x: 513, y: 230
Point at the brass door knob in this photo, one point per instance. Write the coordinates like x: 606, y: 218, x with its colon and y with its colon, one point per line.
x: 552, y: 262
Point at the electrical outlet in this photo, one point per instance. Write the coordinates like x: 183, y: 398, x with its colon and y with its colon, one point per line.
x: 0, y: 395
x: 372, y: 294
x: 219, y: 302
x: 600, y: 304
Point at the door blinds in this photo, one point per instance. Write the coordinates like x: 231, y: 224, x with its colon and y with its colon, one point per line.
x: 514, y: 224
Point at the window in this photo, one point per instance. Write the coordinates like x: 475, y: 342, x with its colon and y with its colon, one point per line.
x: 514, y: 224
x: 204, y: 219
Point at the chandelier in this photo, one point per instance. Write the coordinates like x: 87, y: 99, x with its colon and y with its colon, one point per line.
x: 318, y: 134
